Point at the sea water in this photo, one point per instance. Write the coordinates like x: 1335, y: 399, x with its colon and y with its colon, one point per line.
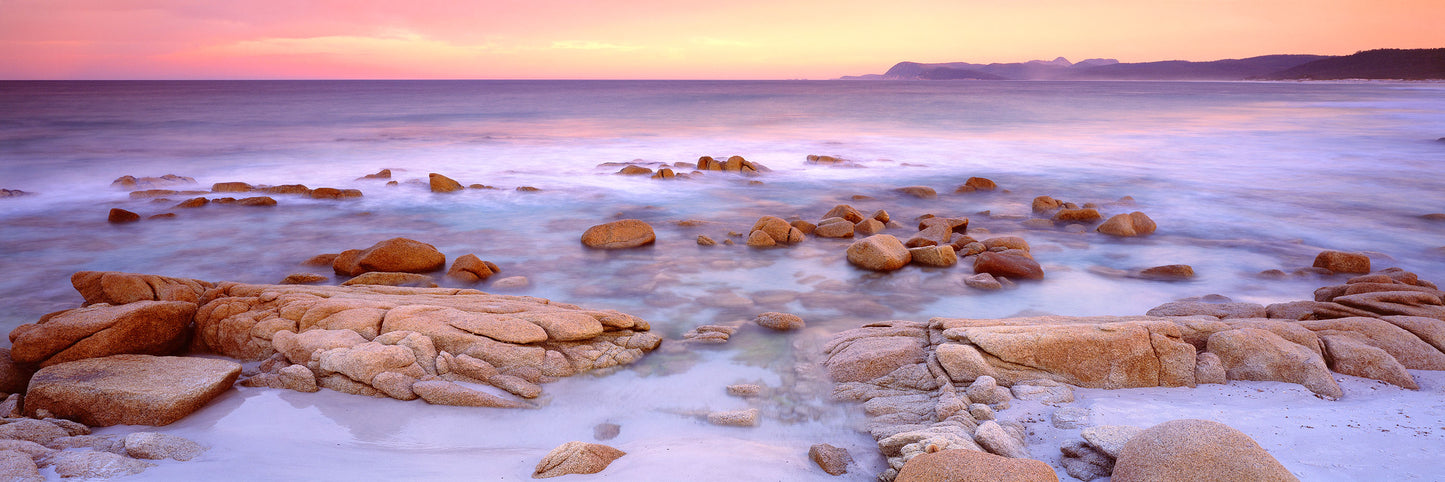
x: 1240, y: 177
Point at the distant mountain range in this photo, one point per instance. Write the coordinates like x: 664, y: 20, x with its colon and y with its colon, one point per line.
x: 1413, y: 64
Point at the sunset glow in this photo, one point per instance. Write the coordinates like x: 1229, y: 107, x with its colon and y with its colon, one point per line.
x: 163, y: 39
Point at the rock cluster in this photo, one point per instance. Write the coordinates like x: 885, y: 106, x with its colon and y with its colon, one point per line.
x: 292, y: 189
x: 28, y: 445
x: 407, y: 343
x: 935, y: 386
x: 771, y: 231
x: 132, y: 183
x: 732, y: 164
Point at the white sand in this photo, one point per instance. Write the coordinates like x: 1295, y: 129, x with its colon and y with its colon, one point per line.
x: 1376, y: 432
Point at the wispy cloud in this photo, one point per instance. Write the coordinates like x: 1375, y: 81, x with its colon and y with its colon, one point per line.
x: 720, y: 42
x: 349, y: 45
x: 592, y: 45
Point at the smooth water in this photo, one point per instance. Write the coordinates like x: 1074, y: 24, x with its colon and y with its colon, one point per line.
x: 1240, y: 177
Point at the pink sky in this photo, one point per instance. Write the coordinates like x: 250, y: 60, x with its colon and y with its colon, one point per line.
x: 672, y: 39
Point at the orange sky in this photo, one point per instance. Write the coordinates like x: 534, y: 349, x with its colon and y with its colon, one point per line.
x: 668, y: 39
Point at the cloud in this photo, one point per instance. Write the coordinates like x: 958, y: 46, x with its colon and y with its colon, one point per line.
x: 386, y: 44
x: 592, y: 45
x: 720, y: 42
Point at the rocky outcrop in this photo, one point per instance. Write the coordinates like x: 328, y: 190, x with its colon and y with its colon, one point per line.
x: 1196, y: 450
x: 397, y: 255
x: 936, y: 386
x: 128, y: 389
x: 1222, y: 310
x: 1101, y: 352
x: 386, y: 278
x: 384, y: 341
x: 627, y: 233
x: 576, y: 458
x: 118, y: 288
x: 142, y: 327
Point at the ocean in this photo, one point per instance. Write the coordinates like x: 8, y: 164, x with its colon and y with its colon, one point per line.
x: 1240, y: 177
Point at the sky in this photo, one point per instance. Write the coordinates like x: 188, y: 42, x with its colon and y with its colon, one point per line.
x: 665, y: 39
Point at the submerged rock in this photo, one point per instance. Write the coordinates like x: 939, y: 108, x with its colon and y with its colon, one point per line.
x: 119, y: 216
x: 1012, y: 266
x: 468, y: 268
x: 921, y: 192
x: 440, y: 183
x: 627, y: 233
x: 1170, y: 272
x: 977, y: 184
x: 779, y: 321
x: 881, y: 252
x: 1128, y: 225
x: 400, y: 255
x: 734, y: 418
x: 1342, y: 262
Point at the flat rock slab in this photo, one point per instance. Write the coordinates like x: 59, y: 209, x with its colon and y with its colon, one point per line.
x: 129, y: 389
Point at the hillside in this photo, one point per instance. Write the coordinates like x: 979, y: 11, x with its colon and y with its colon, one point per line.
x: 1416, y: 64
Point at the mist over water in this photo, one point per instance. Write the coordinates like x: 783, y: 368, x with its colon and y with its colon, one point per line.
x: 1240, y: 177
